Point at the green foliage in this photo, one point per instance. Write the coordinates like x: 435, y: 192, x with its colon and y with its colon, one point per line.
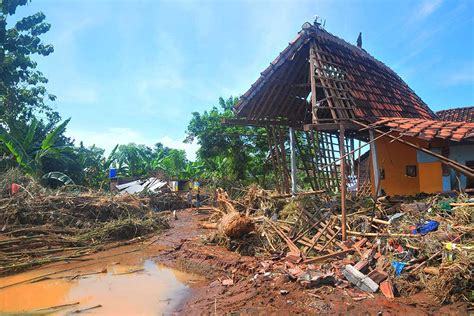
x: 22, y: 90
x: 140, y: 161
x: 31, y: 155
x: 231, y: 155
x: 133, y: 160
x: 39, y: 147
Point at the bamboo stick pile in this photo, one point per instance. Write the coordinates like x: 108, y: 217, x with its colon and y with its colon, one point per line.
x: 39, y: 226
x: 305, y: 232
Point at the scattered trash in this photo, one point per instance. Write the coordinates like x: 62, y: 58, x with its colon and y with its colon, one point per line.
x: 445, y: 205
x: 394, y: 217
x: 398, y: 266
x: 425, y: 228
x: 15, y: 188
x: 450, y: 250
x: 304, y: 234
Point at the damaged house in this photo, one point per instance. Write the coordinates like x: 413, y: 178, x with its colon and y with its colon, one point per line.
x: 349, y: 121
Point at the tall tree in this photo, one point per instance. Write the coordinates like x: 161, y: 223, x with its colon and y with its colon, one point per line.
x: 22, y: 85
x: 230, y: 154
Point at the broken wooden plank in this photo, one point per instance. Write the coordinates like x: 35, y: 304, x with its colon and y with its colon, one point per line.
x: 332, y: 255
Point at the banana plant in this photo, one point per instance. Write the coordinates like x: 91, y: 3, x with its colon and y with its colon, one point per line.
x: 28, y: 156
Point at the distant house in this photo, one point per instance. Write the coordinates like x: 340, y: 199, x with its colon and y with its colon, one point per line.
x: 465, y: 114
x: 323, y: 97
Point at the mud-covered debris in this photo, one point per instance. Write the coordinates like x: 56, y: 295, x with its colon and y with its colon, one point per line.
x: 227, y: 282
x: 312, y: 278
x: 236, y: 225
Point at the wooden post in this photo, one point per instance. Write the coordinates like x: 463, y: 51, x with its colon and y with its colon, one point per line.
x: 314, y: 107
x: 293, y: 161
x: 375, y: 165
x: 343, y: 180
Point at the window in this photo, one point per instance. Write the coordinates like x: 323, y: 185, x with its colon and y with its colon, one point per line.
x: 411, y: 171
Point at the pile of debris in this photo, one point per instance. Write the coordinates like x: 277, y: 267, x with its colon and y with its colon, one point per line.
x: 40, y: 225
x: 166, y: 200
x: 397, y: 246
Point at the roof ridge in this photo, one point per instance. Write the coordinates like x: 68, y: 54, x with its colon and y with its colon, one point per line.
x: 457, y: 108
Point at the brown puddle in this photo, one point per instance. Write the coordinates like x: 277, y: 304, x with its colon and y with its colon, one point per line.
x: 144, y: 289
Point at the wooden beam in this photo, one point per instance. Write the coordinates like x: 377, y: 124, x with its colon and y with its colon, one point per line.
x: 293, y: 161
x: 249, y: 122
x: 343, y: 180
x: 375, y: 164
x: 329, y: 127
x: 312, y: 75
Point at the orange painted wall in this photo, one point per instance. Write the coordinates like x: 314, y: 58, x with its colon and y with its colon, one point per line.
x: 393, y: 157
x: 431, y: 179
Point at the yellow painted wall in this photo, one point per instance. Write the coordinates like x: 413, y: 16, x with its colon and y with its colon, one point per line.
x: 431, y: 179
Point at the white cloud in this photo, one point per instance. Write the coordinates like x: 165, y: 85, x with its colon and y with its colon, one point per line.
x: 110, y: 137
x: 428, y: 7
x: 157, y: 79
x: 80, y: 93
x: 462, y: 77
x: 190, y: 149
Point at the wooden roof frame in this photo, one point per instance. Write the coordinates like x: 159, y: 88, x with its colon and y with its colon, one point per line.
x: 320, y: 79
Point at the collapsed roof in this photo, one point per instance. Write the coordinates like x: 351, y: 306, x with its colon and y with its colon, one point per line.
x: 363, y: 87
x: 152, y: 184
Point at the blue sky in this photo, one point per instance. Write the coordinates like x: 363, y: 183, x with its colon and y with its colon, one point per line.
x: 133, y: 71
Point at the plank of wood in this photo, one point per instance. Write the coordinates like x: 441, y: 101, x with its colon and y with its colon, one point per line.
x: 332, y: 255
x: 462, y: 204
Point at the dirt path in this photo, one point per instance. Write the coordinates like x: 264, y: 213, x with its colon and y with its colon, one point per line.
x: 255, y: 292
x: 257, y: 289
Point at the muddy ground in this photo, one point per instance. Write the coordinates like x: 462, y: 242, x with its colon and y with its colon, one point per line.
x: 253, y: 291
x: 268, y: 294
